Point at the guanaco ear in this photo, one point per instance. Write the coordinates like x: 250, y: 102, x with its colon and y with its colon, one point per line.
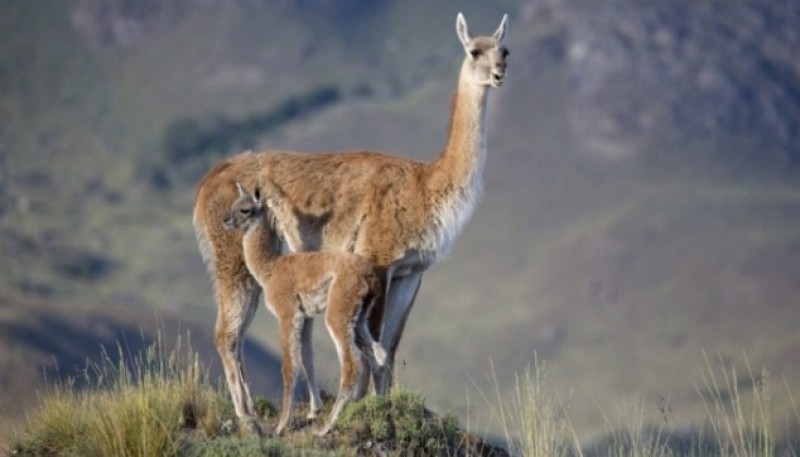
x: 462, y: 31
x: 500, y: 33
x: 257, y: 194
x: 240, y: 189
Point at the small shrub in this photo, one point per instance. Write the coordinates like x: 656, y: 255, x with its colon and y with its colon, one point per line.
x: 368, y: 418
x: 400, y: 421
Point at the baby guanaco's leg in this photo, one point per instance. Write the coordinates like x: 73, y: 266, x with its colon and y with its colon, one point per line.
x: 340, y: 327
x: 291, y: 327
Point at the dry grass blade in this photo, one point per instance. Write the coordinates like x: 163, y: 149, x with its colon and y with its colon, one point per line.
x: 739, y: 427
x: 534, y: 422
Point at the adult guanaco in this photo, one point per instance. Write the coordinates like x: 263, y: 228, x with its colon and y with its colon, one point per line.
x: 401, y: 215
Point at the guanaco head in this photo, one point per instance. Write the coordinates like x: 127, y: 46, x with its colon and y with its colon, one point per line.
x: 245, y: 210
x: 486, y: 56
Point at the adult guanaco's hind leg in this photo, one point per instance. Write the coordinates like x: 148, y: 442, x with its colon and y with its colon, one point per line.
x: 307, y: 365
x: 238, y: 304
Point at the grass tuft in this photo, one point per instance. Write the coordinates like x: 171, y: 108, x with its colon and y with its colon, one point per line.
x: 630, y: 435
x: 534, y: 422
x: 139, y: 406
x: 739, y: 426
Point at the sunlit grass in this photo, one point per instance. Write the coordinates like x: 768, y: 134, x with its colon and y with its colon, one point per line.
x: 132, y: 407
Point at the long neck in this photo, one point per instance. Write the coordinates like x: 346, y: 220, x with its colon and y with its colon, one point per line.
x: 454, y: 181
x: 461, y: 162
x: 260, y: 250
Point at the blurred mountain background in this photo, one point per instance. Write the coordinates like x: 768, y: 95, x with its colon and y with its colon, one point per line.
x: 642, y: 198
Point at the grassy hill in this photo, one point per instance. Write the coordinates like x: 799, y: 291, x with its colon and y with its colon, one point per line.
x: 162, y: 401
x: 617, y: 270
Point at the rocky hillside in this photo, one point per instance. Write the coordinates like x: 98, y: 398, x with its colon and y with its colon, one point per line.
x: 675, y: 71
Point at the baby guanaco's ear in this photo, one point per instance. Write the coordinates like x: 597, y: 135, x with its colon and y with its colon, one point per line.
x: 240, y: 189
x: 257, y: 194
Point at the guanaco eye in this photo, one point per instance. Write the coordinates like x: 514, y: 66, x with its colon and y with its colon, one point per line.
x: 475, y: 53
x: 245, y: 211
x: 505, y: 52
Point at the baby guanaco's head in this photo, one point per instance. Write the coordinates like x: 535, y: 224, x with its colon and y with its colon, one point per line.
x: 246, y: 210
